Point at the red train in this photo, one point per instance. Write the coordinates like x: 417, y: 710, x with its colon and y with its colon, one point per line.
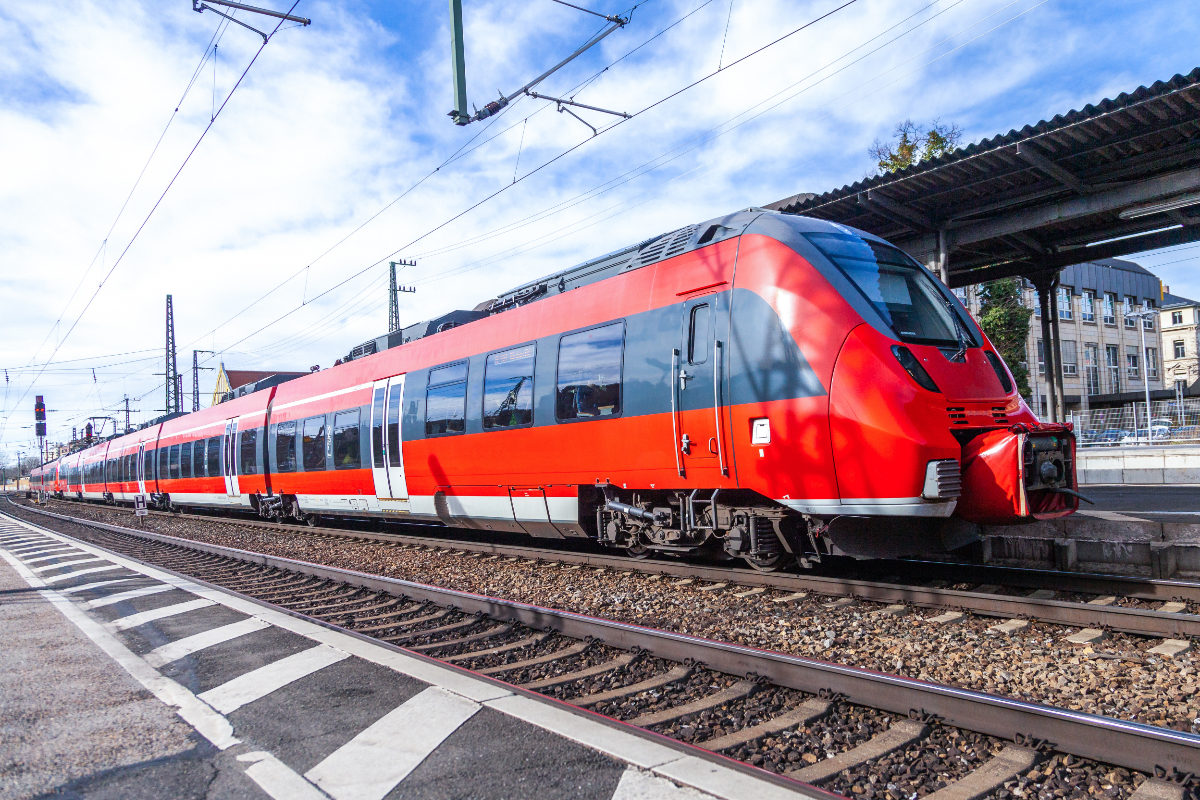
x: 761, y: 385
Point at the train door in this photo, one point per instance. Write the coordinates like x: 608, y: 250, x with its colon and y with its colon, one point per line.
x: 140, y: 468
x: 387, y: 445
x: 229, y: 457
x: 699, y: 372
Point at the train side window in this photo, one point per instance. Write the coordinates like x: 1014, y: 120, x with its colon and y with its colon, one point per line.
x: 248, y: 460
x: 508, y: 388
x: 198, y: 458
x: 214, y: 457
x: 446, y: 400
x: 285, y: 447
x: 346, y: 446
x: 164, y: 455
x: 148, y: 464
x: 314, y: 444
x: 589, y: 373
x: 174, y: 464
x: 700, y: 334
x: 185, y: 460
x: 395, y: 395
x: 377, y: 411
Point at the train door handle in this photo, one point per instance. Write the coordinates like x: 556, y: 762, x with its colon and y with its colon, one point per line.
x: 683, y: 379
x: 685, y: 445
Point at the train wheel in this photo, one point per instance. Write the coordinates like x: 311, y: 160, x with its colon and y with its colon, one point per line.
x: 772, y: 563
x: 638, y: 551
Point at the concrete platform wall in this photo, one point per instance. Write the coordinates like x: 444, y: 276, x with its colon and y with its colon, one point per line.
x: 1139, y: 465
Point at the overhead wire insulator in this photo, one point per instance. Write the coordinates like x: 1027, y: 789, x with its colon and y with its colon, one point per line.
x: 491, y: 108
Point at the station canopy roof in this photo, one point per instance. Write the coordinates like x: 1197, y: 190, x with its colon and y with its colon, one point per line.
x: 1118, y: 177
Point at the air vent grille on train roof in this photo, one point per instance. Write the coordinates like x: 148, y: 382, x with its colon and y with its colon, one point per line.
x: 665, y: 246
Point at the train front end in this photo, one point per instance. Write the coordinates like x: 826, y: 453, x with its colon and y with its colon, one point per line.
x: 925, y: 417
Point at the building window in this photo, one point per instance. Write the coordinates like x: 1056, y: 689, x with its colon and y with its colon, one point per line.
x: 1087, y: 306
x: 1148, y: 322
x: 1091, y: 367
x: 1110, y: 308
x: 961, y: 294
x: 1041, y: 358
x: 1180, y: 351
x: 1069, y: 365
x: 1130, y: 307
x: 1035, y: 302
x: 1176, y: 317
x: 1112, y: 362
x: 1151, y: 363
x: 1131, y: 361
x: 1064, y: 302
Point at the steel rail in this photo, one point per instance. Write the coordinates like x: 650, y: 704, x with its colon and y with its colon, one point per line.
x: 1137, y: 621
x: 1133, y: 745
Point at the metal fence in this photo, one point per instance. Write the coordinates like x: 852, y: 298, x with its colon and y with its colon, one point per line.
x: 1170, y: 421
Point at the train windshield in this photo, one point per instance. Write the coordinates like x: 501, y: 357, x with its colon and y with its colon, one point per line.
x: 903, y: 293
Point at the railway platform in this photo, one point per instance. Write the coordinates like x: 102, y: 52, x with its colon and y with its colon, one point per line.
x: 122, y: 680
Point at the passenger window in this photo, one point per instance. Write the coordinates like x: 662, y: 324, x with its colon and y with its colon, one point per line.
x: 285, y: 447
x: 148, y: 464
x: 314, y: 444
x: 699, y: 334
x: 185, y: 460
x: 214, y: 457
x: 446, y: 400
x: 248, y: 461
x: 395, y: 394
x: 589, y: 373
x: 346, y: 453
x: 508, y: 388
x: 174, y: 473
x: 377, y: 412
x: 198, y: 458
x: 163, y: 460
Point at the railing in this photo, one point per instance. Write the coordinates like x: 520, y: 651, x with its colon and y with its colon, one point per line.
x: 1170, y: 422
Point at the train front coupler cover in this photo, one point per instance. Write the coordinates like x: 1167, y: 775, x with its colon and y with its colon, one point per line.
x: 1018, y: 475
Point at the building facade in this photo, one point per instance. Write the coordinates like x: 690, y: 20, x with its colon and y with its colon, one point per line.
x: 1180, y: 324
x: 1104, y: 361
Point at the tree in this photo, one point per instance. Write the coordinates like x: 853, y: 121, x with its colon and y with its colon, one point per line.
x: 910, y: 145
x: 1005, y: 320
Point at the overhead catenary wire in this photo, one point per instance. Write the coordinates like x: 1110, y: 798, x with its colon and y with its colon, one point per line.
x: 158, y: 202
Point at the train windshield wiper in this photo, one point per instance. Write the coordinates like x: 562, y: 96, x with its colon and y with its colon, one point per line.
x: 960, y: 331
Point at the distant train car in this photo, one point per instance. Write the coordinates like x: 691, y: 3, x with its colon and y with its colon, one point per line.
x: 761, y: 386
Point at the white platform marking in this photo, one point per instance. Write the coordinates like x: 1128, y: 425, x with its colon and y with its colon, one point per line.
x: 131, y: 594
x: 53, y: 553
x: 174, y: 650
x: 245, y: 689
x: 96, y: 585
x: 371, y: 764
x: 278, y: 779
x: 78, y: 572
x: 133, y: 620
x: 49, y: 567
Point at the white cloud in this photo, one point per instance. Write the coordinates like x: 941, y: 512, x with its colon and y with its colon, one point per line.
x: 337, y: 119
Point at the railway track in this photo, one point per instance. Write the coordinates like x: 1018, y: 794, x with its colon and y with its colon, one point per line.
x: 919, y: 587
x: 831, y: 725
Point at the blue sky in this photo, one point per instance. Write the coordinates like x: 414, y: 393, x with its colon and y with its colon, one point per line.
x: 336, y: 121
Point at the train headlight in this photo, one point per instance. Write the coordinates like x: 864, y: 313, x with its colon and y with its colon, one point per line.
x: 914, y: 368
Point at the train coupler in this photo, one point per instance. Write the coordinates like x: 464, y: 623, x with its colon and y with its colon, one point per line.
x: 1019, y: 474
